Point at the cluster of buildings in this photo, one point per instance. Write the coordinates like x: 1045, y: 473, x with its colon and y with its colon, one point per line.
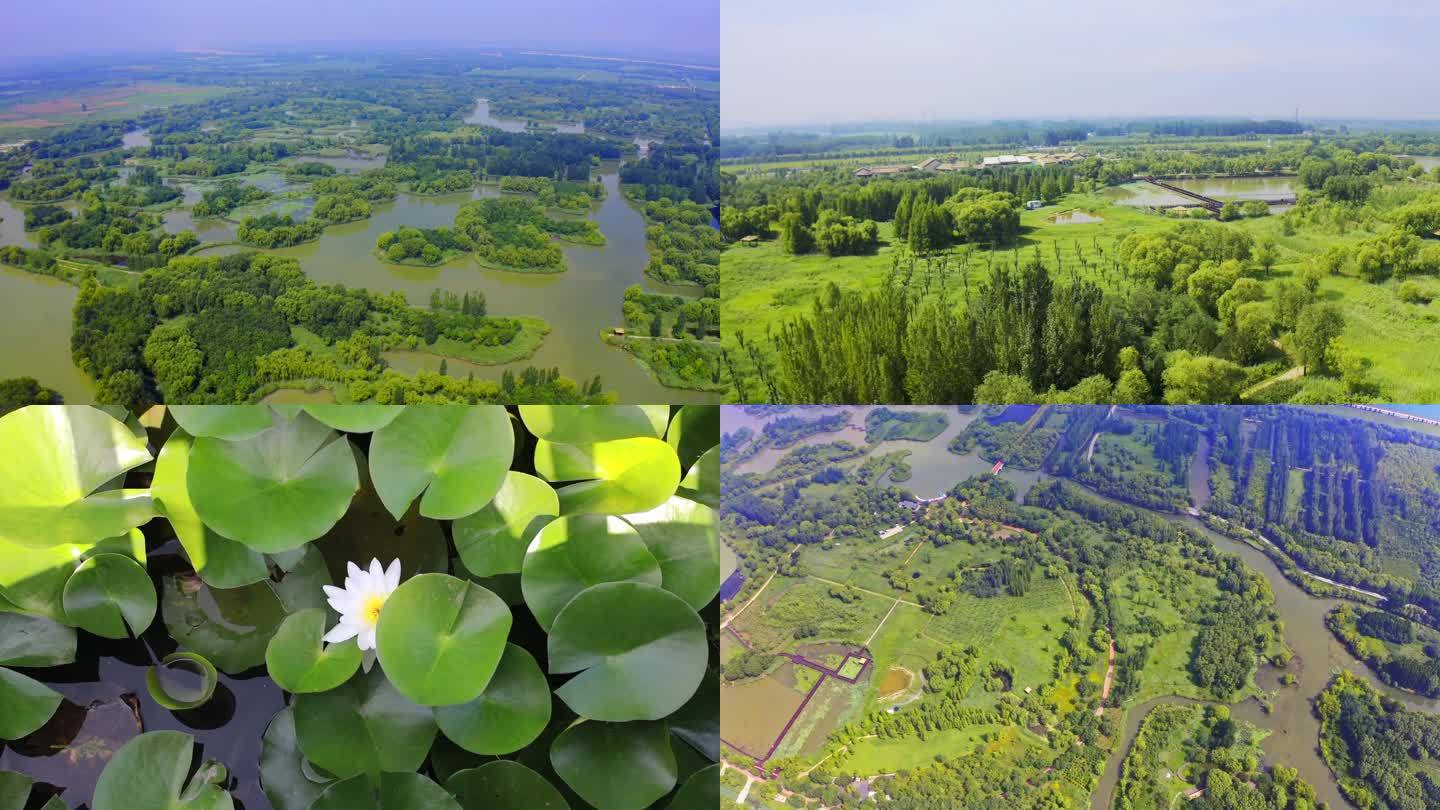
x: 993, y: 162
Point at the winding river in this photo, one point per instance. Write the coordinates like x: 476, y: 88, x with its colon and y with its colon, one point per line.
x: 1295, y: 730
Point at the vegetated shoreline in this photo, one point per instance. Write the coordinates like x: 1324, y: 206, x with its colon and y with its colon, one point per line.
x: 666, y: 377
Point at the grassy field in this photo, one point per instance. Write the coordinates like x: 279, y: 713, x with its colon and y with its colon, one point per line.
x: 765, y: 287
x: 33, y: 116
x: 789, y: 603
x: 878, y: 755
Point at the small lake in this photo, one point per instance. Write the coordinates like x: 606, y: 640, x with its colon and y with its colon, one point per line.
x: 1241, y: 188
x: 481, y: 115
x: 1427, y: 162
x: 135, y: 138
x: 1145, y: 195
x: 353, y: 162
x: 12, y: 224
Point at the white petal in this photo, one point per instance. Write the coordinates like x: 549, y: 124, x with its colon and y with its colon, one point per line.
x: 392, y: 576
x: 367, y: 638
x: 342, y: 605
x: 341, y: 632
x: 333, y: 592
x: 377, y: 573
x: 353, y: 570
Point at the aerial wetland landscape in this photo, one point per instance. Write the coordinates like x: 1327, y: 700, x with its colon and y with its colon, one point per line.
x: 448, y: 226
x: 1080, y: 606
x: 1205, y: 260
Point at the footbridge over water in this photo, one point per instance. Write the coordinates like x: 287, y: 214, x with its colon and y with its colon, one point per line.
x: 1210, y: 202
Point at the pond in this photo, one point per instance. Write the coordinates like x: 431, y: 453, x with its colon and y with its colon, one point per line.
x: 135, y: 138
x: 1241, y: 188
x: 12, y: 224
x: 1075, y: 217
x: 1427, y: 162
x: 35, y: 329
x: 356, y: 161
x: 1145, y: 195
x: 754, y: 712
x: 481, y: 115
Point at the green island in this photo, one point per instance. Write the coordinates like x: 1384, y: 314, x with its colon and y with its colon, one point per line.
x: 1149, y: 260
x: 1077, y: 606
x: 403, y: 173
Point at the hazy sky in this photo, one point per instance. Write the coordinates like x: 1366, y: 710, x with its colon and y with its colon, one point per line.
x: 41, y: 28
x: 817, y: 61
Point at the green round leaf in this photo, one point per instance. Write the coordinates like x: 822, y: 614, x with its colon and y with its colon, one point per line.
x: 359, y: 417
x: 508, y: 715
x: 25, y: 704
x: 150, y: 771
x: 693, y: 430
x: 502, y: 785
x: 34, y: 641
x: 275, y: 491
x: 702, y: 482
x: 220, y: 561
x: 222, y: 421
x: 282, y: 766
x: 364, y: 726
x: 700, y: 792
x: 572, y: 553
x: 634, y: 475
x: 493, y: 540
x: 182, y: 681
x: 614, y: 765
x: 108, y: 592
x: 640, y: 651
x: 34, y: 579
x: 681, y: 534
x: 440, y: 638
x: 698, y: 721
x: 54, y: 484
x: 394, y: 791
x: 586, y: 424
x: 300, y: 661
x: 457, y: 456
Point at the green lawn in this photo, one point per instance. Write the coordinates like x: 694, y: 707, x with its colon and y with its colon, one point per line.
x: 1022, y: 631
x: 876, y: 755
x: 851, y: 667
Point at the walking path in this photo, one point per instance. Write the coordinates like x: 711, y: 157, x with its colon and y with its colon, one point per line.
x: 1109, y: 677
x: 736, y: 614
x: 1267, y: 541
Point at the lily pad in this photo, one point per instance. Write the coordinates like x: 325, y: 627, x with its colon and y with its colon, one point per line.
x: 702, y: 482
x: 182, y: 681
x: 394, y: 791
x: 640, y: 651
x: 616, y: 764
x: 681, y: 535
x: 34, y: 641
x: 33, y: 579
x: 282, y: 769
x: 632, y: 475
x: 508, y: 715
x: 358, y: 417
x: 572, y: 553
x: 693, y: 430
x: 364, y: 726
x: 222, y: 421
x: 457, y: 457
x: 503, y: 784
x: 53, y: 484
x: 150, y: 771
x: 299, y: 660
x: 25, y: 704
x: 586, y: 424
x: 700, y: 792
x: 440, y: 638
x: 109, y: 592
x: 220, y: 561
x: 492, y: 541
x: 277, y: 490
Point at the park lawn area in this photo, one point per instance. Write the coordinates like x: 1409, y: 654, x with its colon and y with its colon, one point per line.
x: 858, y: 561
x: 791, y: 603
x: 900, y: 642
x: 876, y: 755
x: 1026, y: 636
x: 805, y: 678
x: 1164, y: 766
x: 883, y: 424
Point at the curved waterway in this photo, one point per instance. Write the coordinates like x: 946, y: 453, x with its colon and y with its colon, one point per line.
x: 1294, y: 740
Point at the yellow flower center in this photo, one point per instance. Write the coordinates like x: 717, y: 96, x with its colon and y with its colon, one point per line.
x: 371, y: 611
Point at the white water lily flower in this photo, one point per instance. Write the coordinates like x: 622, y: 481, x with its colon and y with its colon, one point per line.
x: 359, y: 602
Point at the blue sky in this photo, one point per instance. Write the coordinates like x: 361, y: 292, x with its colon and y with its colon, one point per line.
x: 47, y: 29
x: 819, y: 61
